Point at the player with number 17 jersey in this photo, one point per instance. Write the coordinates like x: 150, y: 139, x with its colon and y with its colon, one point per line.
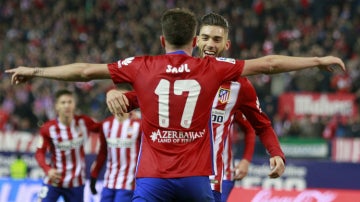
x: 173, y: 94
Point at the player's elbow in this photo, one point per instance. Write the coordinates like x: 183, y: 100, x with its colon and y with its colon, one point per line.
x: 270, y: 65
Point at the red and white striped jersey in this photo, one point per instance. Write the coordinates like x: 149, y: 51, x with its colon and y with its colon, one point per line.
x: 66, y: 146
x: 120, y: 143
x: 236, y: 96
x: 224, y: 106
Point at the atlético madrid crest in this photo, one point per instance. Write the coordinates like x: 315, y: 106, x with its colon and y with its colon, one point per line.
x: 223, y: 95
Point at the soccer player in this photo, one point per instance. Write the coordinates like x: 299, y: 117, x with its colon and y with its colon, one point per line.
x: 173, y: 93
x: 231, y: 97
x: 64, y: 138
x: 119, y: 144
x: 235, y: 96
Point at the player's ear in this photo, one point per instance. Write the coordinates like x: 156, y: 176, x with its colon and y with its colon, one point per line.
x: 194, y: 41
x: 162, y: 41
x: 227, y: 44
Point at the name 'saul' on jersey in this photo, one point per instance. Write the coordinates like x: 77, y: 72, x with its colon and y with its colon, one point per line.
x: 181, y: 69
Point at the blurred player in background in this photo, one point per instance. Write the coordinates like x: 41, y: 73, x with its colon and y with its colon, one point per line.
x: 119, y: 147
x: 228, y: 181
x: 173, y: 91
x: 64, y: 138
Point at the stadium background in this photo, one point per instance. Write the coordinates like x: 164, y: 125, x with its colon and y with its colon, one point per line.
x: 314, y: 113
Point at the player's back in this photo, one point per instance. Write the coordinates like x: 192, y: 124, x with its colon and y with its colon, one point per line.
x: 175, y: 92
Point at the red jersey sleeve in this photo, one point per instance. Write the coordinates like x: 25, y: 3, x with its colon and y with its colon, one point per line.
x: 228, y: 68
x: 100, y: 158
x: 250, y: 107
x: 43, y: 146
x: 91, y: 125
x: 133, y: 101
x: 130, y: 65
x: 249, y: 132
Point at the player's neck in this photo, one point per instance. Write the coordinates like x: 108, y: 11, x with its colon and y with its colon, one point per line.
x: 66, y: 120
x: 188, y: 49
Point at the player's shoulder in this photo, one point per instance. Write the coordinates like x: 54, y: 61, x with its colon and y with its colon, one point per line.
x: 49, y: 123
x: 109, y: 119
x: 45, y: 127
x: 85, y: 118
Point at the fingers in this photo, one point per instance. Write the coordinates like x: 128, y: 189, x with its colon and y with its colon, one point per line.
x: 124, y: 103
x: 341, y: 64
x: 331, y: 63
x: 241, y: 169
x: 54, y: 175
x: 277, y: 167
x: 239, y: 174
x: 117, y: 102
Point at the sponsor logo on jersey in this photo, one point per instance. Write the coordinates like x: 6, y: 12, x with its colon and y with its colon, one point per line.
x: 119, y: 142
x: 70, y: 144
x: 164, y: 136
x: 174, y: 70
x: 217, y: 116
x: 229, y: 60
x: 125, y: 62
x: 223, y: 95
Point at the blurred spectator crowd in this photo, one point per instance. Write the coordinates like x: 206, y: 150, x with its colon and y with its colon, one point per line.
x: 52, y: 32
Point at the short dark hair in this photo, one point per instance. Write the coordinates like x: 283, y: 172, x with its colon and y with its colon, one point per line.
x: 214, y: 19
x: 62, y: 92
x: 178, y: 26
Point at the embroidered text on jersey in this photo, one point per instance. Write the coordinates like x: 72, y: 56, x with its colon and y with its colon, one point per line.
x: 217, y: 116
x: 229, y: 60
x: 163, y: 136
x: 181, y: 69
x: 70, y: 144
x: 119, y: 142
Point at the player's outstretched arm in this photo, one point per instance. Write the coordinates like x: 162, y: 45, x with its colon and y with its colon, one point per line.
x: 69, y: 72
x: 273, y: 64
x: 277, y: 167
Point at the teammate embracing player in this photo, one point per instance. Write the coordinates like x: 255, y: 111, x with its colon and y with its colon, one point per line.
x: 235, y: 96
x: 242, y: 99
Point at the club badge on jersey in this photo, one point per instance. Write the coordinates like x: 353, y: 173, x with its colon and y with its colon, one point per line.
x: 223, y: 95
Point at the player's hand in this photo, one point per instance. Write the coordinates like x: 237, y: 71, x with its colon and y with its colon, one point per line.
x: 93, y: 185
x: 21, y: 74
x: 241, y: 169
x: 277, y: 167
x: 54, y: 175
x: 116, y: 102
x: 330, y: 63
